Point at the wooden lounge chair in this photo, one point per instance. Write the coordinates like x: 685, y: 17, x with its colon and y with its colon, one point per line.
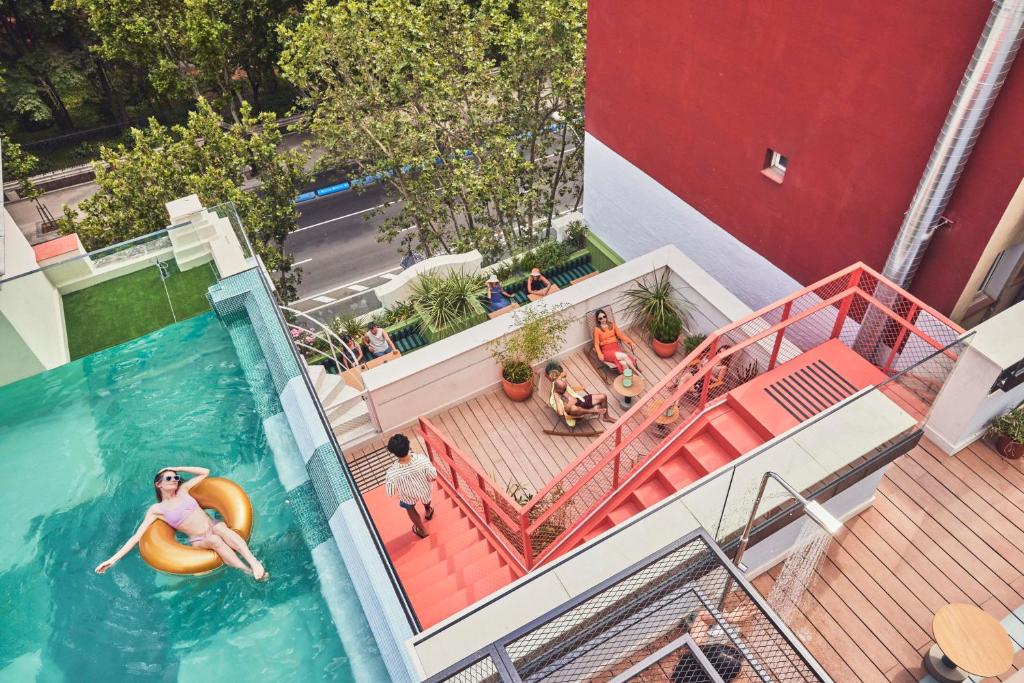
x: 564, y: 425
x: 607, y: 370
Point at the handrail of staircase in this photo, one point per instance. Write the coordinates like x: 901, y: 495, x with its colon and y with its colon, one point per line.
x: 333, y: 354
x: 841, y: 300
x: 330, y: 336
x: 473, y: 479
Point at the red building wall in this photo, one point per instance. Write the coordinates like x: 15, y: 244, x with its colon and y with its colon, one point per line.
x: 693, y: 93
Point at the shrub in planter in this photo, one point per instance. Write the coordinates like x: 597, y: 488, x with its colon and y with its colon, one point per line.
x: 576, y: 235
x: 448, y: 303
x: 692, y: 341
x: 1008, y: 433
x: 540, y: 333
x: 658, y: 310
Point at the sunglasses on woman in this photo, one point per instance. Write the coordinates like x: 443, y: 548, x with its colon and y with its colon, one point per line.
x: 172, y: 477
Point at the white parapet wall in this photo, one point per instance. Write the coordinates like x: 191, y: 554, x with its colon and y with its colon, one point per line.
x: 32, y: 335
x: 720, y: 503
x: 455, y: 369
x: 967, y: 402
x: 400, y: 287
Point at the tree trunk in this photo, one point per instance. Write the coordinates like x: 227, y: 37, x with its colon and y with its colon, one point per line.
x: 114, y: 101
x: 55, y: 103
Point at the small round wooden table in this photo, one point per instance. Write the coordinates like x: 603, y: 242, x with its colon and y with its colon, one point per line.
x: 627, y: 394
x: 666, y: 416
x: 968, y: 640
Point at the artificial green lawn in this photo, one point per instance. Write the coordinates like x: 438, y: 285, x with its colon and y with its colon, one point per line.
x: 127, y: 307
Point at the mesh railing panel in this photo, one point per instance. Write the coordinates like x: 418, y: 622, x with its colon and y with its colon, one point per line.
x: 638, y: 615
x: 481, y: 671
x: 878, y: 321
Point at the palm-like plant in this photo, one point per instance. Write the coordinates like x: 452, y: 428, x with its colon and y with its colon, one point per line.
x: 656, y: 307
x: 445, y: 301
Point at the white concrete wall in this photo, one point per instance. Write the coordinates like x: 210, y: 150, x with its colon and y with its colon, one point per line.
x: 964, y: 407
x: 32, y: 335
x: 400, y: 287
x: 460, y: 367
x: 803, y: 457
x: 634, y: 214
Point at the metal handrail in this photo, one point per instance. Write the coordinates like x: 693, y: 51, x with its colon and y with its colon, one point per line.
x: 333, y: 352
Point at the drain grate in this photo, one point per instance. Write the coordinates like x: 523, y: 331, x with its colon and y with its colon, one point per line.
x: 369, y: 470
x: 810, y: 390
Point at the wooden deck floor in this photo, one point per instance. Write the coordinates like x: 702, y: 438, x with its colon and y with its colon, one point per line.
x: 507, y: 439
x: 942, y: 529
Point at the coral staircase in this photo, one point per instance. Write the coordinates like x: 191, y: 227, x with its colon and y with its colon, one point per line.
x: 450, y: 569
x: 720, y: 435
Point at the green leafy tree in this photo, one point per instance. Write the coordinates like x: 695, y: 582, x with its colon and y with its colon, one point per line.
x: 190, y: 47
x: 206, y: 157
x: 440, y: 99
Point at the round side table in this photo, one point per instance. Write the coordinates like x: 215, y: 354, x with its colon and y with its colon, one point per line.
x: 968, y: 641
x: 627, y: 394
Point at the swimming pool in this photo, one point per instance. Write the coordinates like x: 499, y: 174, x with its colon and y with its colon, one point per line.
x: 79, y: 446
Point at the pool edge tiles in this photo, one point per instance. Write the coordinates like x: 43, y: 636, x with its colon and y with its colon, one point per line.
x: 244, y: 300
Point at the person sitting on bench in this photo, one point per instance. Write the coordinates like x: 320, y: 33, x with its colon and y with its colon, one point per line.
x: 497, y: 297
x: 538, y: 286
x: 578, y: 404
x: 378, y: 341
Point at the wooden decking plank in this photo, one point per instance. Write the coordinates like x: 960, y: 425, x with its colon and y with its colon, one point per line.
x: 979, y: 487
x: 864, y: 602
x: 501, y: 441
x: 885, y: 590
x: 1000, y: 535
x: 948, y: 532
x: 922, y: 578
x: 847, y: 645
x: 1001, y: 474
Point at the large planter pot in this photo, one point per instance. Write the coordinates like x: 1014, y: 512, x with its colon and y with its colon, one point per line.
x: 665, y: 350
x: 517, y: 392
x: 1008, y: 448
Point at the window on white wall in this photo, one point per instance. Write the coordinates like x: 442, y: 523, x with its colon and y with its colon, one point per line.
x: 775, y: 163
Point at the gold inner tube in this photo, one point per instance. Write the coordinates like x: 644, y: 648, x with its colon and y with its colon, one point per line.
x: 160, y: 548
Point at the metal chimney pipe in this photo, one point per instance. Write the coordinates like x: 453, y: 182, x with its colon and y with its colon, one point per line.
x: 978, y: 91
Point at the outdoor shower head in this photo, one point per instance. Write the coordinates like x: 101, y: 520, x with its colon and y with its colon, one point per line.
x: 822, y: 517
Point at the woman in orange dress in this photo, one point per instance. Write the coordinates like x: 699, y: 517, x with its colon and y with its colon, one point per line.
x: 607, y: 336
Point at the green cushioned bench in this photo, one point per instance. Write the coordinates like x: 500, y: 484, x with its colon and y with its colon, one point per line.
x: 408, y: 338
x: 562, y: 276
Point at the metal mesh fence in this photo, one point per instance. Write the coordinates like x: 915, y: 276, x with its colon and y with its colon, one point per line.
x: 884, y: 325
x: 682, y: 614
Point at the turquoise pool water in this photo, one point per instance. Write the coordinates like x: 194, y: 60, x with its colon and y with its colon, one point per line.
x: 78, y: 447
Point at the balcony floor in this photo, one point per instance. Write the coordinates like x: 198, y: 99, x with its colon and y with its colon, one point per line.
x: 942, y: 529
x: 507, y: 439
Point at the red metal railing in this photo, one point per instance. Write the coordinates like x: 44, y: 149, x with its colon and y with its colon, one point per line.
x: 870, y: 315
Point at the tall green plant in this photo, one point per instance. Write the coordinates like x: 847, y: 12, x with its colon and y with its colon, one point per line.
x: 656, y: 307
x: 1011, y: 425
x: 540, y: 333
x: 445, y: 301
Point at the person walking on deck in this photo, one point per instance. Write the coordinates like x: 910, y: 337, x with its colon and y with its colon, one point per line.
x: 412, y: 477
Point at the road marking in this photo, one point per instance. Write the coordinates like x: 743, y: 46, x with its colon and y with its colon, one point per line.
x: 358, y: 288
x: 346, y: 285
x: 299, y: 263
x: 324, y: 299
x: 338, y: 218
x: 389, y: 276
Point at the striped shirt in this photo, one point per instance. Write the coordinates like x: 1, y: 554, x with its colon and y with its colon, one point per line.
x: 413, y: 480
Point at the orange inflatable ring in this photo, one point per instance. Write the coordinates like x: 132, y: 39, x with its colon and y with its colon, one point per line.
x: 160, y: 548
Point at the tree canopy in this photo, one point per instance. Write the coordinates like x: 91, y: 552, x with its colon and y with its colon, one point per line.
x: 469, y: 113
x: 209, y: 158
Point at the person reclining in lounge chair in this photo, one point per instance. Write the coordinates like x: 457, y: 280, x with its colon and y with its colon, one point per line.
x: 579, y: 404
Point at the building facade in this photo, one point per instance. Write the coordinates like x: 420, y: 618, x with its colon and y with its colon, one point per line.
x: 777, y: 142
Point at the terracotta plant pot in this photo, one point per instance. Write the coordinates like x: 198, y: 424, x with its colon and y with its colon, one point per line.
x: 517, y: 392
x: 665, y: 350
x: 1008, y: 448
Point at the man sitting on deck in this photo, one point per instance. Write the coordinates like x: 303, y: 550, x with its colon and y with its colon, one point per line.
x: 578, y: 404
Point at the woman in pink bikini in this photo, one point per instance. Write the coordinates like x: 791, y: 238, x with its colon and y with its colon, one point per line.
x: 179, y: 509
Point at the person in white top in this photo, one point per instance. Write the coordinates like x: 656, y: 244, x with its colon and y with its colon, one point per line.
x: 412, y: 477
x: 378, y: 341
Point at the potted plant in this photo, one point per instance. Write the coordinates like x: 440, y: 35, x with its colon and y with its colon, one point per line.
x: 1008, y: 433
x: 539, y: 333
x: 692, y: 341
x: 658, y: 311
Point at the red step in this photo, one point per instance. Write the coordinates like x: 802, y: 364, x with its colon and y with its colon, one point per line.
x: 734, y: 433
x: 679, y: 472
x: 496, y: 580
x: 654, y: 490
x: 625, y: 510
x: 703, y: 450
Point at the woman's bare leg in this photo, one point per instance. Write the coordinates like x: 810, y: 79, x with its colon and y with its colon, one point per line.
x: 219, y: 546
x: 627, y: 362
x: 238, y: 544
